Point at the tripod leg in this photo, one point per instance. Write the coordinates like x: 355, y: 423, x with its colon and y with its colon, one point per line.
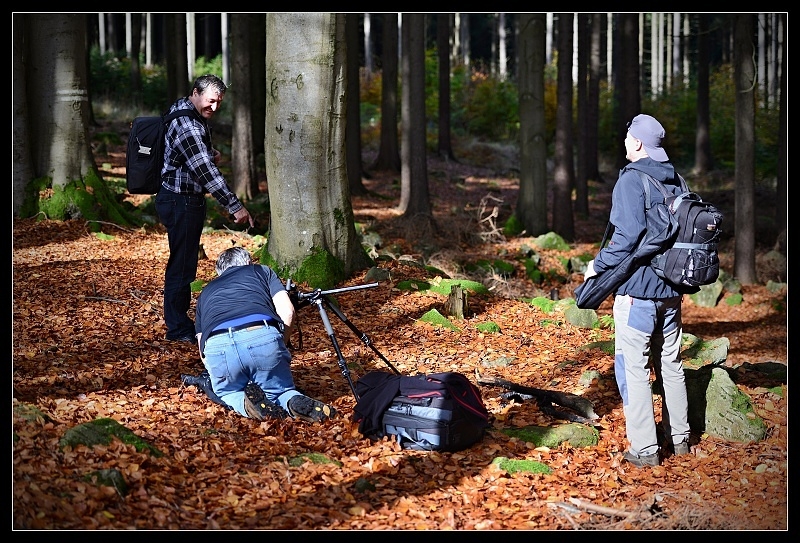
x: 359, y: 334
x: 340, y: 358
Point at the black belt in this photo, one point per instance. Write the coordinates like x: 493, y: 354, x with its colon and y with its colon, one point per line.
x: 248, y: 326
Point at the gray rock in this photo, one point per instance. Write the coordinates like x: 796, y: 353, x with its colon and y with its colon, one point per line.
x: 582, y: 318
x: 718, y: 407
x: 708, y: 295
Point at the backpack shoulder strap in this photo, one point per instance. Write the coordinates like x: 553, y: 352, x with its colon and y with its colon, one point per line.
x: 169, y: 117
x: 658, y: 184
x: 684, y: 186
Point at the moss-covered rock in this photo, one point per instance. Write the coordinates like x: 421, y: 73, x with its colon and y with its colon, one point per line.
x: 437, y: 319
x: 108, y: 477
x: 718, y: 407
x: 101, y: 432
x: 582, y: 318
x: 551, y: 240
x: 606, y: 346
x: 578, y: 435
x: 488, y: 328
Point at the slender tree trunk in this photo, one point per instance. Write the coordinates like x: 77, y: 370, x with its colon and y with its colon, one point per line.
x: 368, y: 46
x: 20, y: 157
x: 443, y: 49
x: 584, y: 136
x: 531, y: 208
x: 389, y: 151
x: 702, y: 145
x: 242, y: 148
x: 745, y: 83
x: 593, y: 97
x: 353, y: 114
x: 258, y: 93
x: 627, y: 97
x: 783, y: 158
x: 564, y: 173
x: 258, y: 88
x: 465, y: 40
x: 176, y: 57
x: 136, y: 44
x: 414, y: 196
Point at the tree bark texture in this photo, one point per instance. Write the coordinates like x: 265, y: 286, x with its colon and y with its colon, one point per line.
x: 531, y: 207
x: 57, y: 97
x: 703, y: 161
x: 414, y: 196
x: 353, y: 115
x: 564, y: 173
x: 305, y: 147
x: 745, y: 82
x: 21, y: 157
x: 389, y: 152
x: 443, y: 31
x: 457, y: 304
x: 244, y: 183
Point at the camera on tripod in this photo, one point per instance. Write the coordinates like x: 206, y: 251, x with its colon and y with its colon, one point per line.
x: 320, y: 298
x: 294, y: 295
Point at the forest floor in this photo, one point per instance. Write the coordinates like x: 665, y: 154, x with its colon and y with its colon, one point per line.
x: 88, y: 343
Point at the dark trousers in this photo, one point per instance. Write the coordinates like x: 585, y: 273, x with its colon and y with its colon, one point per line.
x: 183, y: 215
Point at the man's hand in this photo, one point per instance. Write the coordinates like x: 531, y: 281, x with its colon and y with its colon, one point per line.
x: 243, y: 216
x: 589, y: 270
x: 216, y: 156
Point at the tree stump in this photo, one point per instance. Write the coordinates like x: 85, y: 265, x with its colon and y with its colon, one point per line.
x: 456, y: 304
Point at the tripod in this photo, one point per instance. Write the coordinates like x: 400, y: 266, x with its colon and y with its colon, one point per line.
x: 320, y: 298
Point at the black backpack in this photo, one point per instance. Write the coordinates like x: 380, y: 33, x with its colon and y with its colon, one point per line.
x: 144, y: 155
x: 691, y: 260
x: 680, y: 244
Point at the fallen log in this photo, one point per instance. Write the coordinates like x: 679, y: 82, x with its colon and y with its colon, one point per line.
x: 545, y: 399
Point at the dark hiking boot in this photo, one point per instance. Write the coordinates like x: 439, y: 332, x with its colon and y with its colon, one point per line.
x: 310, y: 410
x: 188, y: 338
x: 258, y: 407
x: 203, y: 382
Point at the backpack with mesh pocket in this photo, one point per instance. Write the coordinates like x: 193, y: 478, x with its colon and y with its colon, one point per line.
x: 691, y: 260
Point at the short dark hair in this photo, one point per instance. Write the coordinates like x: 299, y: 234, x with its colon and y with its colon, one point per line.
x: 202, y: 83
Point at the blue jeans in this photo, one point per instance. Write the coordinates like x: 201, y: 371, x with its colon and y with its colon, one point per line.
x: 183, y: 215
x: 235, y: 358
x: 645, y: 329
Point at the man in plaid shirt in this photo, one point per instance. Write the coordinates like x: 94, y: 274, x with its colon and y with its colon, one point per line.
x: 189, y: 172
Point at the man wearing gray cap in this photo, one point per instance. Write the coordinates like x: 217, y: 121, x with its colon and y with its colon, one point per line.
x: 647, y: 309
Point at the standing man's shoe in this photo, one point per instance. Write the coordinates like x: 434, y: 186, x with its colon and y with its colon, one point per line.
x: 681, y: 448
x: 642, y: 461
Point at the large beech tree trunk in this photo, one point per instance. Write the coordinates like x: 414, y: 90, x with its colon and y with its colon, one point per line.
x: 305, y: 148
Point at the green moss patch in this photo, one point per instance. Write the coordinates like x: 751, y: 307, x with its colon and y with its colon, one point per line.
x: 101, y: 432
